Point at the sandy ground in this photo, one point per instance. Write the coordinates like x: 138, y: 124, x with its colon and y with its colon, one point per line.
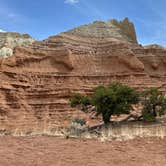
x: 51, y: 151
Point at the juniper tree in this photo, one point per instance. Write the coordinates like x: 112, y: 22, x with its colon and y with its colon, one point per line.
x: 115, y: 99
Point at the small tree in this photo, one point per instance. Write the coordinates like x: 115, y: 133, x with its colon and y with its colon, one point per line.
x: 154, y: 103
x: 115, y: 99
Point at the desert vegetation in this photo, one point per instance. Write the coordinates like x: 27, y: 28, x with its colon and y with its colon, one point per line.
x: 154, y: 104
x: 118, y: 99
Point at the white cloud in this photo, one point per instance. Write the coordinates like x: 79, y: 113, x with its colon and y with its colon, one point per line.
x: 1, y: 30
x: 71, y: 1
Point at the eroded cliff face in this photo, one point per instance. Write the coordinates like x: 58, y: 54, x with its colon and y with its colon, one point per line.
x: 37, y: 81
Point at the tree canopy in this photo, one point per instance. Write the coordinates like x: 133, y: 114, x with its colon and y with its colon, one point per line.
x: 154, y: 103
x: 115, y: 99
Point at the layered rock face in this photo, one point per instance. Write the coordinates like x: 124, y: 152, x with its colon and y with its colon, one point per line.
x: 37, y: 81
x: 123, y: 30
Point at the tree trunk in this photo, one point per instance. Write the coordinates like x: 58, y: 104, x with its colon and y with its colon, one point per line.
x: 106, y: 118
x: 154, y: 111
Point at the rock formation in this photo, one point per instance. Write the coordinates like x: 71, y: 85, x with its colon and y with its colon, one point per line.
x: 9, y: 40
x: 37, y: 81
x: 123, y: 30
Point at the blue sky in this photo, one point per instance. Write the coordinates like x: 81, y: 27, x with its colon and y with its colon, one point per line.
x: 43, y: 18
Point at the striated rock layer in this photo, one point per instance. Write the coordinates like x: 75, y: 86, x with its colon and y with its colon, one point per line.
x: 37, y: 81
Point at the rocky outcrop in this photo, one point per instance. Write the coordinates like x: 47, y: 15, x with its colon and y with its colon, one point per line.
x: 9, y: 40
x: 121, y: 30
x: 37, y: 81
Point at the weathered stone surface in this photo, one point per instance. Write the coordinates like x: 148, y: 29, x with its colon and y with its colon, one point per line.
x: 121, y: 30
x: 37, y: 81
x: 9, y: 40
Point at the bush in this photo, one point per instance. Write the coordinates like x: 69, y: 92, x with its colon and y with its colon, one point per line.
x: 77, y: 127
x: 148, y: 116
x: 80, y: 121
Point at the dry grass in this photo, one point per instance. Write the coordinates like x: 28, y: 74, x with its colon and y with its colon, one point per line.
x: 112, y: 132
x: 123, y: 132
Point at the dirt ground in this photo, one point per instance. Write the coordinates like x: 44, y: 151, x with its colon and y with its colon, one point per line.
x: 52, y: 151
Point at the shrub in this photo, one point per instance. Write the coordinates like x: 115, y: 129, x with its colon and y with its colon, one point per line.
x: 148, y: 116
x: 80, y: 121
x: 77, y: 127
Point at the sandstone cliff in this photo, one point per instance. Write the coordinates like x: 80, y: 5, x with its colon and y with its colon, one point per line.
x: 37, y: 81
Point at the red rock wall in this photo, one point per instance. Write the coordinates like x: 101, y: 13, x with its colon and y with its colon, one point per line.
x: 37, y: 81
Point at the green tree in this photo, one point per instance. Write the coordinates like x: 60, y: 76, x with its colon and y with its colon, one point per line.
x: 115, y: 99
x: 154, y: 103
x: 80, y: 101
